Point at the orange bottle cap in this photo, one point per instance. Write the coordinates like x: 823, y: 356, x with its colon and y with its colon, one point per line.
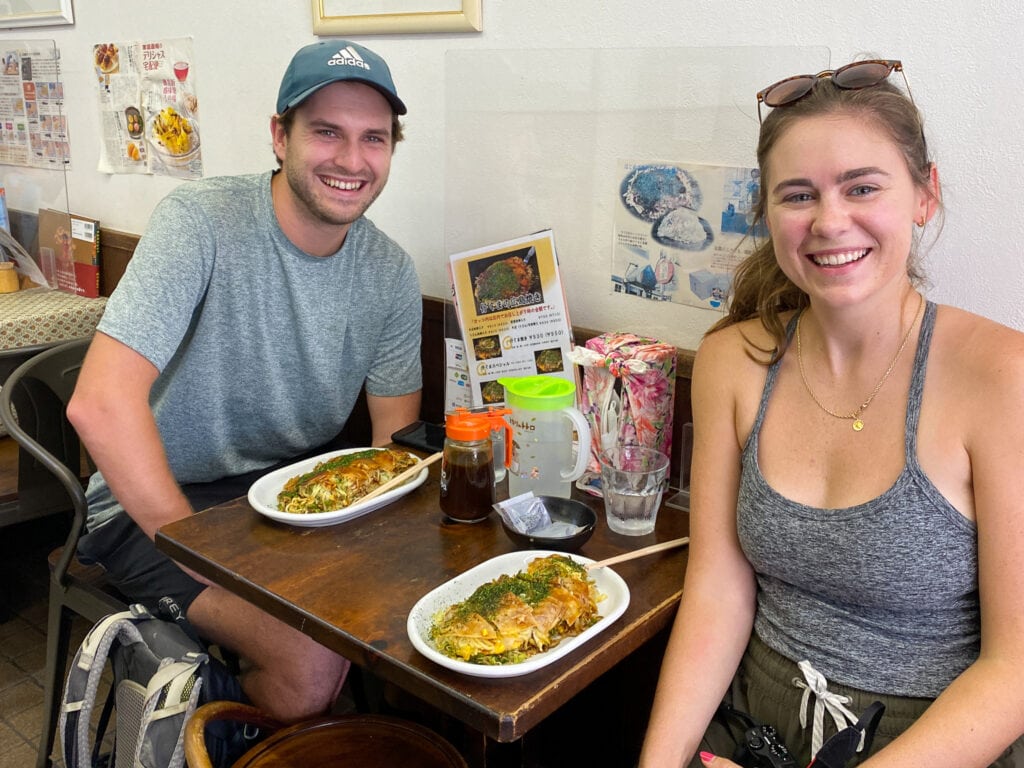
x: 467, y: 426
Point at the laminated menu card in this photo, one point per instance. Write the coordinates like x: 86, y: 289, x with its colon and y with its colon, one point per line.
x: 512, y: 313
x: 69, y: 252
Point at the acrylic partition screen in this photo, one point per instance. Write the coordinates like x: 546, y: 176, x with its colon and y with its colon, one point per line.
x: 536, y: 139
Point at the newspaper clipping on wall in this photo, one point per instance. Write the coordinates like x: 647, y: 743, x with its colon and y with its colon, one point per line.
x: 33, y: 127
x: 149, y: 113
x: 681, y: 229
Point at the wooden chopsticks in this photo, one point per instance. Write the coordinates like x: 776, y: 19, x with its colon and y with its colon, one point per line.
x: 642, y: 552
x: 401, y: 477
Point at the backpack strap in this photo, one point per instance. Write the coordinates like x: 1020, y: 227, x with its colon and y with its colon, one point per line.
x: 174, y: 677
x: 83, y: 682
x: 173, y: 691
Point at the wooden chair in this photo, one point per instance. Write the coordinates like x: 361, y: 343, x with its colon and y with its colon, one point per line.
x: 39, y: 390
x: 367, y: 741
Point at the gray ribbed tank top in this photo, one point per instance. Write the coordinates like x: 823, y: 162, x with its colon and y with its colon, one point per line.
x: 882, y: 596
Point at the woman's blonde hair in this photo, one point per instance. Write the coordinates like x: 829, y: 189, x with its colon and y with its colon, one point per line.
x: 759, y: 287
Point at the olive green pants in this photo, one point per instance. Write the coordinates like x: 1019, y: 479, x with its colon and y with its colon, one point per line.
x: 764, y: 688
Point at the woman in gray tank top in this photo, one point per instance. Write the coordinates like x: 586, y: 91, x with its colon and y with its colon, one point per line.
x: 857, y: 469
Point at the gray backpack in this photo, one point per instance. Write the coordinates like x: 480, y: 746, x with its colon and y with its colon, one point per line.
x: 159, y: 674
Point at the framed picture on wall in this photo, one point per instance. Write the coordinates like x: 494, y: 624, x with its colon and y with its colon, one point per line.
x: 35, y: 13
x: 381, y: 17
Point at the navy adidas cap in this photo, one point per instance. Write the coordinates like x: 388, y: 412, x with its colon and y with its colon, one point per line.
x: 331, y: 61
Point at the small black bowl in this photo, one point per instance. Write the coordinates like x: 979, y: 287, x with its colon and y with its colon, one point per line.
x: 561, y: 511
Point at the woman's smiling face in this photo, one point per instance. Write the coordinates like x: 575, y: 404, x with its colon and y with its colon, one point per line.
x: 841, y: 206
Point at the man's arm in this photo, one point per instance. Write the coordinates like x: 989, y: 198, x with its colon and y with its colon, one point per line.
x: 390, y: 414
x: 110, y: 410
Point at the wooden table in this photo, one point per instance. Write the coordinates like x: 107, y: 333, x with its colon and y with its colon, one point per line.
x: 351, y: 587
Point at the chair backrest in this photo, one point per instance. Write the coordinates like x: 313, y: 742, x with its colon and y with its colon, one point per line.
x: 12, y: 358
x: 39, y: 390
x: 39, y: 489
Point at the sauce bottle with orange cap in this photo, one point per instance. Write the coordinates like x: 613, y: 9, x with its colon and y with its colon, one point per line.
x: 467, y: 465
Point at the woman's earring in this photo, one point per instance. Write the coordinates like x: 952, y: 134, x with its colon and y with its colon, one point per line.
x: 920, y: 222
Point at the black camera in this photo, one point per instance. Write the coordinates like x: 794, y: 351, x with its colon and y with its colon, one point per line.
x: 762, y: 748
x: 760, y: 745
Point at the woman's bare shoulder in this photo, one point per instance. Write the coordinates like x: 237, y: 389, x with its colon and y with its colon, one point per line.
x: 980, y: 357
x: 732, y: 363
x: 980, y: 345
x: 744, y: 343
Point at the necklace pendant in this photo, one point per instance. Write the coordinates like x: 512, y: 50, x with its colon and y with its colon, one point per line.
x: 858, y: 425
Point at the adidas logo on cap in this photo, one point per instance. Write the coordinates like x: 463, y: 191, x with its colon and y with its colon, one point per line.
x: 348, y: 57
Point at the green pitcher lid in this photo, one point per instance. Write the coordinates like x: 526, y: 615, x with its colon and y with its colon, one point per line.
x: 539, y: 393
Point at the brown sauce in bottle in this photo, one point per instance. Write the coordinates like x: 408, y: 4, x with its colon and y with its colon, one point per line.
x: 467, y: 484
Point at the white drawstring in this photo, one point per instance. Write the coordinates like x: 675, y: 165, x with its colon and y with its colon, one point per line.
x: 824, y: 699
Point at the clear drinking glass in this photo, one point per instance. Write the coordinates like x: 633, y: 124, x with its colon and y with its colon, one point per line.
x: 633, y: 479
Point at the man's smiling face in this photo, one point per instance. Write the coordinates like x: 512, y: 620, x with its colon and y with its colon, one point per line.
x: 337, y: 155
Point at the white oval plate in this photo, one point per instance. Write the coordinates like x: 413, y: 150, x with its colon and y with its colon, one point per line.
x: 263, y: 494
x: 462, y: 586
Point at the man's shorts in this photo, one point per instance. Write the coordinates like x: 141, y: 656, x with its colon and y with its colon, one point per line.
x: 135, y: 566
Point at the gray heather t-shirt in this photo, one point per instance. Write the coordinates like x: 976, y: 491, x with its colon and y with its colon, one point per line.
x: 262, y: 349
x: 882, y: 596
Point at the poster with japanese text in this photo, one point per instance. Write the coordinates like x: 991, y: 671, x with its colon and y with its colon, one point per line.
x: 681, y: 229
x: 149, y: 113
x: 33, y: 126
x: 512, y: 313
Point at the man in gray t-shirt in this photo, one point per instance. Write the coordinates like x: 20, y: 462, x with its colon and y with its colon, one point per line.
x: 253, y: 312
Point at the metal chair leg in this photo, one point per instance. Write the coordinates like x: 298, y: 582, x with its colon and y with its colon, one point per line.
x: 58, y: 637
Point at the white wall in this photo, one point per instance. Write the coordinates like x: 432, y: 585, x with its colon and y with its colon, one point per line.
x: 964, y: 62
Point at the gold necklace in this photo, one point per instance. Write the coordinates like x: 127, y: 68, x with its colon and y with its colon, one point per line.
x: 858, y: 423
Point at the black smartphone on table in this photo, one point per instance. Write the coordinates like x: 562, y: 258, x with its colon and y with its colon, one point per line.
x: 422, y: 435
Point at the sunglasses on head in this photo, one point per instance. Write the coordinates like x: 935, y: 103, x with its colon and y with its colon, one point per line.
x: 852, y: 77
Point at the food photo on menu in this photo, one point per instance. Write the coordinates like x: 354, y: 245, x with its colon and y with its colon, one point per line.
x: 512, y: 313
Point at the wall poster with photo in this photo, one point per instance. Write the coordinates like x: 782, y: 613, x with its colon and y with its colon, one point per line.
x: 681, y: 229
x: 33, y: 123
x: 148, y: 106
